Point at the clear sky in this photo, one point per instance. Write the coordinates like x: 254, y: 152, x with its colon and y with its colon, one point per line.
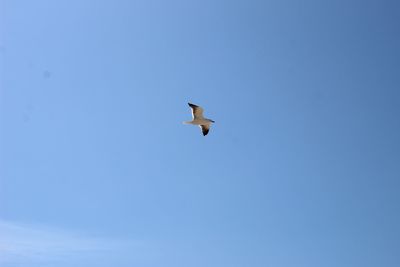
x: 301, y: 168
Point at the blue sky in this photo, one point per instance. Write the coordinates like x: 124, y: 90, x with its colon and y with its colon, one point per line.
x: 300, y: 169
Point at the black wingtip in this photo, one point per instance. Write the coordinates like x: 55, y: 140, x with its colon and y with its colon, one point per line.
x: 192, y: 105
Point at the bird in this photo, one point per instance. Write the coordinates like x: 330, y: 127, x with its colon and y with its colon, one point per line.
x: 198, y: 119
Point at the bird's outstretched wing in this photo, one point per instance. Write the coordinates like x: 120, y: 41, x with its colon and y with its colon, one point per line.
x: 197, y: 112
x: 205, y: 129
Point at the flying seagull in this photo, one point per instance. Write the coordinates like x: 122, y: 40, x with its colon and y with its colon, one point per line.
x: 198, y: 119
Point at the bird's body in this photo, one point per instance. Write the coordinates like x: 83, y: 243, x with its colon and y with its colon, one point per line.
x: 199, y: 122
x: 198, y: 119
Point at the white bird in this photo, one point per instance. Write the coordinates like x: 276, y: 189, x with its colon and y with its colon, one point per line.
x: 198, y: 119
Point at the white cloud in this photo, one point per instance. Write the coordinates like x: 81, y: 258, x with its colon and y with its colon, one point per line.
x: 32, y: 243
